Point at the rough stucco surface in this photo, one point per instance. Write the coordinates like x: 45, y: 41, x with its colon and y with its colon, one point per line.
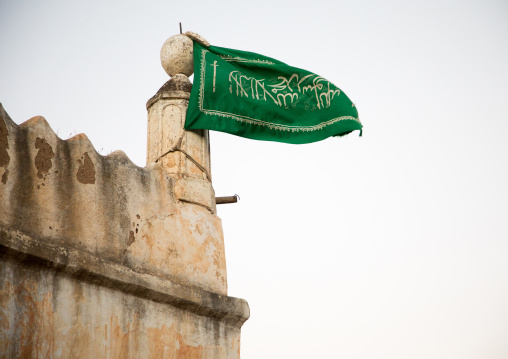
x: 66, y: 191
x: 44, y: 314
x: 96, y: 248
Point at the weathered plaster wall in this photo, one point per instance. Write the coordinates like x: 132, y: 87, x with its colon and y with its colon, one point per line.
x: 46, y: 314
x: 96, y: 248
x: 64, y: 192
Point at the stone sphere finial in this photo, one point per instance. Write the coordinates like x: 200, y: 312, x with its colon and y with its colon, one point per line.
x: 177, y: 55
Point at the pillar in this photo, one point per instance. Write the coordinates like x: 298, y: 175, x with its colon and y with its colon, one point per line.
x: 184, y: 154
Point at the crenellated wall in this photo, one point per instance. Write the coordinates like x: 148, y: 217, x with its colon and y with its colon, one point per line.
x: 100, y: 259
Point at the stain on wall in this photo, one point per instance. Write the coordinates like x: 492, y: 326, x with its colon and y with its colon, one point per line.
x: 4, y: 146
x: 43, y: 158
x: 131, y: 238
x: 86, y: 170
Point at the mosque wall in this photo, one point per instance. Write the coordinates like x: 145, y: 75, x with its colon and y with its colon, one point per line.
x: 100, y: 259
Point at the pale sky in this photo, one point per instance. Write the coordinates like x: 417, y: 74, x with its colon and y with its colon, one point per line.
x: 391, y: 245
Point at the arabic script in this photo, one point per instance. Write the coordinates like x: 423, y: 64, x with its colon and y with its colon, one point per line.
x: 314, y: 91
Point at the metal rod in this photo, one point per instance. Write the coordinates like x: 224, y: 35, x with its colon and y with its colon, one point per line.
x: 224, y: 200
x: 180, y: 28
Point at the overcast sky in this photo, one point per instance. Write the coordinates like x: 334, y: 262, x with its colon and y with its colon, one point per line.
x: 391, y: 245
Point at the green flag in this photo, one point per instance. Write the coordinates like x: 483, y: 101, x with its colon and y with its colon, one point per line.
x: 254, y: 96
